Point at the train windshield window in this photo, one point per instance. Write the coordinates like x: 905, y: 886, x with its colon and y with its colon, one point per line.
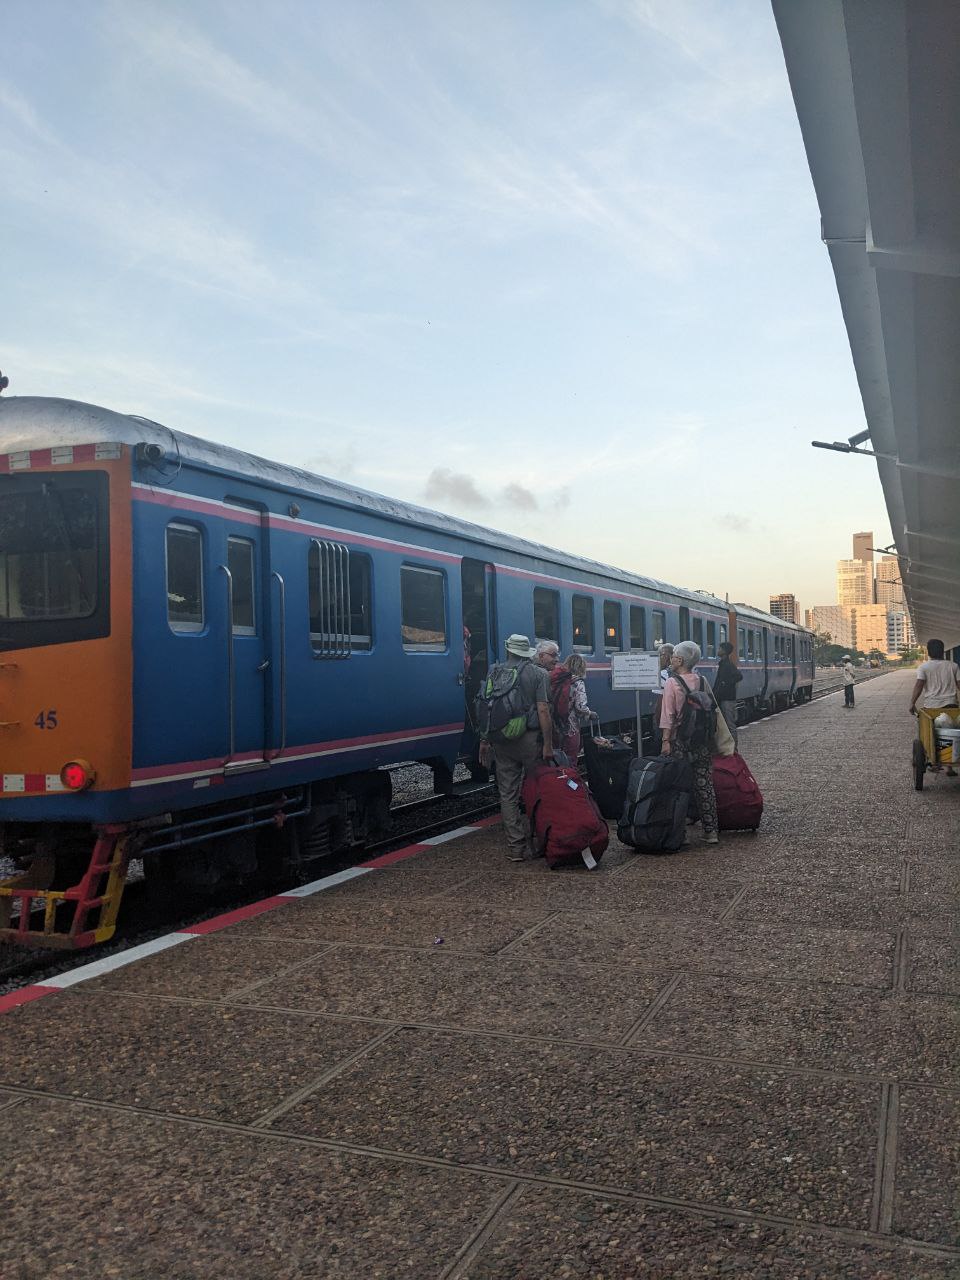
x: 423, y: 623
x: 48, y: 553
x: 684, y: 623
x: 711, y: 639
x: 546, y: 614
x: 583, y: 622
x: 698, y: 632
x: 184, y: 578
x: 638, y: 627
x: 240, y: 564
x: 659, y: 627
x: 612, y: 622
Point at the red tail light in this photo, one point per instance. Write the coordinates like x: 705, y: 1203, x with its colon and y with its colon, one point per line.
x: 77, y: 775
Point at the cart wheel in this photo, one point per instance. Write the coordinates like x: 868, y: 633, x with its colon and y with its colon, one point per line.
x: 919, y: 765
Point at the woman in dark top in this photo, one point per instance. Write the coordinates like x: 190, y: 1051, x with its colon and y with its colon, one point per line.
x: 725, y: 686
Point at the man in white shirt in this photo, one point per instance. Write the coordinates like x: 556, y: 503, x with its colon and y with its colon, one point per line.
x: 938, y: 683
x: 848, y: 679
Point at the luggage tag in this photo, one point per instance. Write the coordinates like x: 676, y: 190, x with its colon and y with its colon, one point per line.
x: 589, y: 860
x: 574, y: 786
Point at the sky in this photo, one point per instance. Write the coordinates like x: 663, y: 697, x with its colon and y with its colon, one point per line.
x: 553, y: 266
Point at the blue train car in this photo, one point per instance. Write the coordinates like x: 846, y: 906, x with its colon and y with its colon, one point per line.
x: 208, y: 660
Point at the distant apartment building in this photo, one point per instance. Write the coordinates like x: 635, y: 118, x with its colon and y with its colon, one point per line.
x: 863, y: 547
x: 888, y: 589
x: 785, y: 606
x: 870, y: 627
x: 900, y: 632
x: 854, y: 582
x: 834, y: 619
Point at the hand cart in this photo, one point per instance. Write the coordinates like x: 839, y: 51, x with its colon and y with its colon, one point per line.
x: 933, y: 747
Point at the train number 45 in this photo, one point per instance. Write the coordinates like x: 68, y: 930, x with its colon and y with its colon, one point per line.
x: 46, y: 720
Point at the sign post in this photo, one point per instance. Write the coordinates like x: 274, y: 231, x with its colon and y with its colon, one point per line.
x: 636, y: 671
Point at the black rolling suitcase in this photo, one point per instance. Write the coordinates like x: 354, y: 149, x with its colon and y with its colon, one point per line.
x: 608, y: 763
x: 654, y: 818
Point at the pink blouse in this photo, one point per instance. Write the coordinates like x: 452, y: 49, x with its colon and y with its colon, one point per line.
x: 673, y: 699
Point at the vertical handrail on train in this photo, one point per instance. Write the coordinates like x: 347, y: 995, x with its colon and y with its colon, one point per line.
x: 231, y: 683
x: 283, y: 661
x: 336, y: 609
x: 348, y: 629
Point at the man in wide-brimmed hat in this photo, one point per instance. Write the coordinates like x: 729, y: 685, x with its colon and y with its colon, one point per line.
x: 512, y: 755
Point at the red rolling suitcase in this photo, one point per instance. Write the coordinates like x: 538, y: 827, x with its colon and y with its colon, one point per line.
x: 739, y: 802
x: 565, y: 823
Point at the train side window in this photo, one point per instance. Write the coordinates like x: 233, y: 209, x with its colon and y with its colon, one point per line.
x: 583, y: 622
x: 723, y: 633
x: 711, y: 639
x: 684, y: 623
x: 612, y: 623
x: 423, y: 624
x: 546, y: 614
x: 339, y: 599
x: 659, y: 627
x: 741, y: 643
x: 240, y: 564
x: 698, y: 632
x: 638, y: 627
x: 361, y: 601
x: 184, y: 553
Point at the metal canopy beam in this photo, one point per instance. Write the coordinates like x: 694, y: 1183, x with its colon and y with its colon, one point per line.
x: 877, y: 93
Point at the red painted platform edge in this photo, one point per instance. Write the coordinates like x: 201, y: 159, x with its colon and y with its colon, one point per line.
x: 228, y: 918
x: 23, y: 995
x: 398, y: 855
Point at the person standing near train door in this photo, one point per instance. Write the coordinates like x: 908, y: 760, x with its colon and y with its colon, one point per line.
x: 513, y: 711
x: 729, y: 676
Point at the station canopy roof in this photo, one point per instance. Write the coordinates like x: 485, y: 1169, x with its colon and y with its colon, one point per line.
x: 877, y: 91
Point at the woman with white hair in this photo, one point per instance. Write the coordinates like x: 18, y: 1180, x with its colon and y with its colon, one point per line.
x: 686, y: 655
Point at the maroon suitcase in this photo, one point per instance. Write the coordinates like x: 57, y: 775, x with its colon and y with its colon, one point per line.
x: 739, y: 802
x: 564, y: 818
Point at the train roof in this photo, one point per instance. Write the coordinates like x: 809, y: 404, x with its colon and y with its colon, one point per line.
x: 749, y: 611
x: 34, y: 422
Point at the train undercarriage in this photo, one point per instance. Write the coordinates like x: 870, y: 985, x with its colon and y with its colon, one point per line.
x: 68, y: 881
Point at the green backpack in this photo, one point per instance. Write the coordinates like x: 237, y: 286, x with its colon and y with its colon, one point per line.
x: 501, y: 709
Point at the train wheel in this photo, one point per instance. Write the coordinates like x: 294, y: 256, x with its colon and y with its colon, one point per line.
x: 919, y: 765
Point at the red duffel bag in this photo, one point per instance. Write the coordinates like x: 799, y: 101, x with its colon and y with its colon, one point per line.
x: 565, y: 823
x: 739, y: 802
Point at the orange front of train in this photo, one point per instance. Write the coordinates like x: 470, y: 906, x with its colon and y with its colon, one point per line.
x: 65, y: 673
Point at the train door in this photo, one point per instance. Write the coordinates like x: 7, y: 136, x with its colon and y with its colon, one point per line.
x: 477, y: 594
x: 763, y: 647
x: 247, y: 658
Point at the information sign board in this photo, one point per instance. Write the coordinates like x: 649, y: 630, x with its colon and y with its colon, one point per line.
x: 635, y: 670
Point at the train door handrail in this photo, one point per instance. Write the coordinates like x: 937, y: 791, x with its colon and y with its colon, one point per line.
x: 231, y: 673
x: 283, y: 662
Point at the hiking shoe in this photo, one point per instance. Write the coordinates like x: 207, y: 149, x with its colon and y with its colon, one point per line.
x: 516, y: 857
x: 711, y: 838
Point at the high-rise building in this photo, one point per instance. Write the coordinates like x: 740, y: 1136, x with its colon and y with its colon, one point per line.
x: 888, y: 587
x: 863, y: 547
x: 836, y: 620
x: 900, y: 632
x: 854, y: 582
x: 870, y: 627
x: 785, y: 606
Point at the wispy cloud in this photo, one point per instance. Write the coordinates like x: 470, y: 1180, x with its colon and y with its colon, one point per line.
x: 444, y: 485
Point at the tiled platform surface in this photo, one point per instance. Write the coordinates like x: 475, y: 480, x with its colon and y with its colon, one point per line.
x: 739, y: 1061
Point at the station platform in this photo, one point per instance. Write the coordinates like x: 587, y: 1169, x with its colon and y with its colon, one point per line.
x: 738, y: 1060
